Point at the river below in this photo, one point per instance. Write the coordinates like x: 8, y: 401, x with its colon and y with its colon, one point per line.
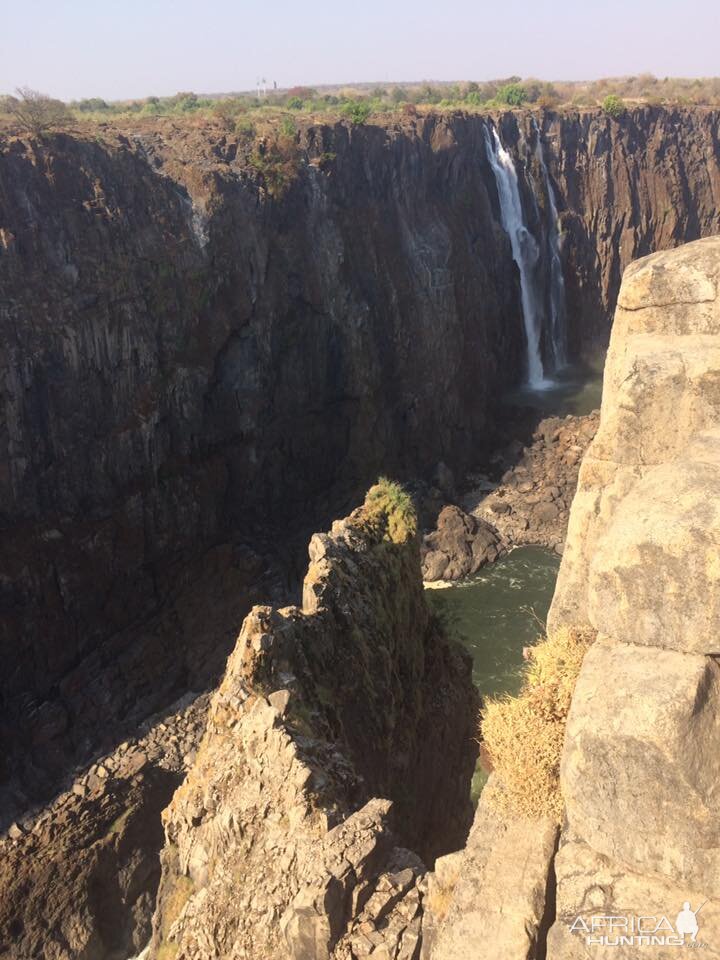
x: 498, y: 612
x: 576, y: 389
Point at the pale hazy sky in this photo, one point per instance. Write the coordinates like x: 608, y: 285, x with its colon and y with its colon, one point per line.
x: 118, y: 49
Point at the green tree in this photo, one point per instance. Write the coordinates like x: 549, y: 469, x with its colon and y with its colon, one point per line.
x: 91, y: 105
x: 245, y: 128
x: 613, y: 106
x: 513, y: 94
x: 185, y: 102
x: 428, y: 94
x: 288, y: 127
x: 358, y: 111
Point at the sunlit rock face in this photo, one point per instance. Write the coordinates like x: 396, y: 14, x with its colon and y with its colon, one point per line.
x: 339, y: 750
x: 640, y: 767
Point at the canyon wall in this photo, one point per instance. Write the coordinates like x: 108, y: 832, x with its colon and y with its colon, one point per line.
x: 627, y: 189
x: 191, y: 364
x: 641, y: 766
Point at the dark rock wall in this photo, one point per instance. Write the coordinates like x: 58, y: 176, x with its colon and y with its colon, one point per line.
x: 188, y: 361
x: 627, y: 189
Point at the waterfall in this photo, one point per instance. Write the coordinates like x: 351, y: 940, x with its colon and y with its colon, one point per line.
x: 525, y: 250
x: 143, y: 955
x: 558, y: 327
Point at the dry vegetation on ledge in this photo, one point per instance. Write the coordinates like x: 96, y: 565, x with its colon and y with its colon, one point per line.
x: 524, y: 735
x: 389, y: 506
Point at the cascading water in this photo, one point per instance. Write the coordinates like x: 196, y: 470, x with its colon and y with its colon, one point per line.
x: 558, y: 326
x: 525, y: 250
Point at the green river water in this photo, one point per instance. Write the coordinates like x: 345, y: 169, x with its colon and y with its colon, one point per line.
x: 498, y: 612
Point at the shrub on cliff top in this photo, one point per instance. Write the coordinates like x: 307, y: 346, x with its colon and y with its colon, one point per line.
x: 276, y: 156
x: 390, y: 504
x: 513, y: 94
x: 524, y: 735
x: 358, y: 111
x: 613, y: 106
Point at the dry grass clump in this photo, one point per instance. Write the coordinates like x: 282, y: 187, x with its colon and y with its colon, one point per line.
x: 389, y: 504
x: 524, y: 735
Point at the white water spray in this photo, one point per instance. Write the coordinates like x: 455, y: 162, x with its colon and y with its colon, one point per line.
x: 558, y: 326
x: 524, y: 249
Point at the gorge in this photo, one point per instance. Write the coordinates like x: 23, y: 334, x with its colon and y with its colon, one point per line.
x: 209, y: 357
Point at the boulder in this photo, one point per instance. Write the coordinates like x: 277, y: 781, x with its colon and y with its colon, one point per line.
x: 460, y: 546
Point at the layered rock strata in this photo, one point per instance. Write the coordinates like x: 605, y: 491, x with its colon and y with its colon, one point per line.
x: 340, y: 740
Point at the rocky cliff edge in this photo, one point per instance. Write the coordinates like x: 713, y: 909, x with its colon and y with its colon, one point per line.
x: 340, y: 739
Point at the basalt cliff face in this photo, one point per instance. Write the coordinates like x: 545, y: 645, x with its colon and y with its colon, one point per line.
x: 190, y: 364
x: 625, y: 191
x: 339, y: 745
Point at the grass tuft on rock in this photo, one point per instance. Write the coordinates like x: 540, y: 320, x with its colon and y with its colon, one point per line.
x: 175, y: 897
x: 524, y: 735
x: 391, y: 505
